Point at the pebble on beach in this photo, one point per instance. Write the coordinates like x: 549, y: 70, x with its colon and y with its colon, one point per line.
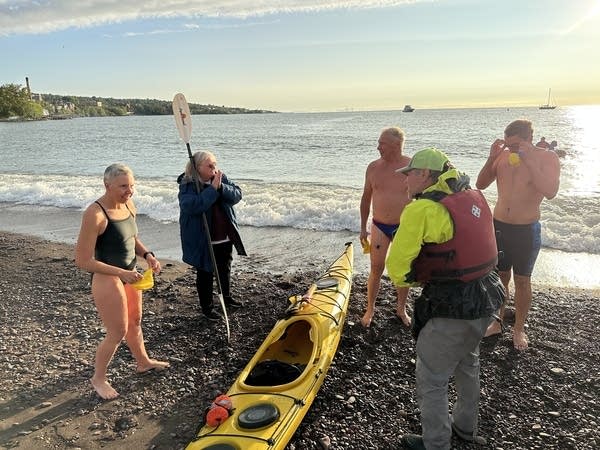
x: 543, y: 398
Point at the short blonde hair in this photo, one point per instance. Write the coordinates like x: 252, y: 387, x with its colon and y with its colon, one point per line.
x: 116, y: 170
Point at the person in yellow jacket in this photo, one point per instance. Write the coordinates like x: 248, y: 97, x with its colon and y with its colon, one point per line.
x: 445, y: 243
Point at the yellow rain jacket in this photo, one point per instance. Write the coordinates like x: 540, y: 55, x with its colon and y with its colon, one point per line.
x: 422, y: 221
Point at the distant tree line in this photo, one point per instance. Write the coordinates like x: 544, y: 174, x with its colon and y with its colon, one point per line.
x: 16, y: 101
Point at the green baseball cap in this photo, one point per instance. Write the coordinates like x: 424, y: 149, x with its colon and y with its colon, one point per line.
x: 428, y: 158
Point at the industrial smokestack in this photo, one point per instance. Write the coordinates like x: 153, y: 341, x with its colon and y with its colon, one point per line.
x: 28, y: 89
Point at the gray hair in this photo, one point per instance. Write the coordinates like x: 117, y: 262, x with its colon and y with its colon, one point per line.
x: 199, y: 158
x: 395, y: 132
x: 116, y: 170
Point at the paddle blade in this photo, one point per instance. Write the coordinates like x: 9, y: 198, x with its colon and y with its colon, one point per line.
x: 183, y: 117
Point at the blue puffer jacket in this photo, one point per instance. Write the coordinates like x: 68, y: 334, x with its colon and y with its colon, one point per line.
x: 192, y: 205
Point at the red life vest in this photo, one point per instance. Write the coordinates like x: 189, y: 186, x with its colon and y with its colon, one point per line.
x: 472, y: 251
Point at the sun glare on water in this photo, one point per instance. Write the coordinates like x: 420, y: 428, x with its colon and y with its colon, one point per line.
x: 587, y: 147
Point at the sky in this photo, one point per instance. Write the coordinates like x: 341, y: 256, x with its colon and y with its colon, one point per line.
x: 308, y: 55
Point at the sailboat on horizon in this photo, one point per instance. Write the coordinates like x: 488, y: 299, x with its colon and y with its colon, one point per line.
x: 548, y: 104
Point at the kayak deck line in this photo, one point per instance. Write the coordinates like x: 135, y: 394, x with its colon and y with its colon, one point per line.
x: 281, y: 428
x: 274, y: 391
x: 269, y: 441
x: 296, y: 307
x: 297, y: 403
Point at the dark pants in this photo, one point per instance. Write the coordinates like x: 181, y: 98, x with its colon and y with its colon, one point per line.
x: 204, y: 280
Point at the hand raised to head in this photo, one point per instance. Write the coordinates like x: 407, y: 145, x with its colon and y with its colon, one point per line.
x: 216, y: 180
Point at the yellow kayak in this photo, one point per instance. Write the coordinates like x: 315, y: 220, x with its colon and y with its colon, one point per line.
x: 273, y: 393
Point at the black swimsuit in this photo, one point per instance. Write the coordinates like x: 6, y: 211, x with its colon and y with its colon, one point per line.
x: 116, y: 246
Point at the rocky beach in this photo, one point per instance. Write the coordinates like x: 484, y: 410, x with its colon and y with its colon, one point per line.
x: 543, y: 398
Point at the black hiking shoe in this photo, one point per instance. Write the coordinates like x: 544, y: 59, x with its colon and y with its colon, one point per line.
x: 212, y: 316
x: 232, y: 303
x: 413, y: 441
x: 469, y: 437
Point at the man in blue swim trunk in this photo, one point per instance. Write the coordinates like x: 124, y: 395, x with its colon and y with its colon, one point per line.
x: 384, y: 196
x: 524, y: 176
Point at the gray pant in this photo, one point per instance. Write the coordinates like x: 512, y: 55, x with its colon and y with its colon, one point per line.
x: 447, y: 347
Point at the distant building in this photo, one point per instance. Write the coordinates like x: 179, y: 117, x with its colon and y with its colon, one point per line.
x: 63, y: 107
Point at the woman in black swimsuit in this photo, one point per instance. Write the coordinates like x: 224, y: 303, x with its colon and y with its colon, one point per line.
x: 107, y: 247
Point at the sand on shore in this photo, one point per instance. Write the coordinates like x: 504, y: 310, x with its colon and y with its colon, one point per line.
x: 545, y: 397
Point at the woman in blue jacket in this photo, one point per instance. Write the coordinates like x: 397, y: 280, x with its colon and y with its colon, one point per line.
x: 216, y: 199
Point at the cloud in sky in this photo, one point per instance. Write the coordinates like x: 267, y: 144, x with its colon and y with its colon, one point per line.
x: 194, y: 26
x: 36, y: 17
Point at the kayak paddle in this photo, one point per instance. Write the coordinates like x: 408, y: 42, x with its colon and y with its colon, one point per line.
x: 183, y: 120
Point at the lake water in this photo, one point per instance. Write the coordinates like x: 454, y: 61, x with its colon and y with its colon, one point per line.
x: 301, y: 174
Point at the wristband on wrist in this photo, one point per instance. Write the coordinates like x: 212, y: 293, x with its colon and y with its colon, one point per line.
x: 149, y: 253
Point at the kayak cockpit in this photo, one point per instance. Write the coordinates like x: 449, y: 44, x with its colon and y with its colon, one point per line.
x: 286, y: 359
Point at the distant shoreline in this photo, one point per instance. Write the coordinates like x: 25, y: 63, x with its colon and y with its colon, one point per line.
x: 36, y: 106
x: 76, y: 116
x: 41, y: 119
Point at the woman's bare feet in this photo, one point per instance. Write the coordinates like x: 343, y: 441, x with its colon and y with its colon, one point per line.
x: 103, y: 389
x: 520, y: 340
x: 153, y: 365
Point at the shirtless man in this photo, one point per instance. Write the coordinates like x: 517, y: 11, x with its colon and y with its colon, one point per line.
x: 524, y: 175
x: 387, y: 192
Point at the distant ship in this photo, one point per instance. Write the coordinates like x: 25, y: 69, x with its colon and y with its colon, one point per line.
x: 548, y: 104
x: 408, y: 108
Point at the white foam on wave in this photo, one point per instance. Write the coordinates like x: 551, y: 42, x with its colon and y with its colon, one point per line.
x: 569, y: 222
x: 52, y: 190
x: 303, y: 206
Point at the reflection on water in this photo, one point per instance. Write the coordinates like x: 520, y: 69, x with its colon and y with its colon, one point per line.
x: 583, y: 161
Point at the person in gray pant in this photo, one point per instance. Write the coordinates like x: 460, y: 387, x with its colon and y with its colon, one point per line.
x: 446, y: 244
